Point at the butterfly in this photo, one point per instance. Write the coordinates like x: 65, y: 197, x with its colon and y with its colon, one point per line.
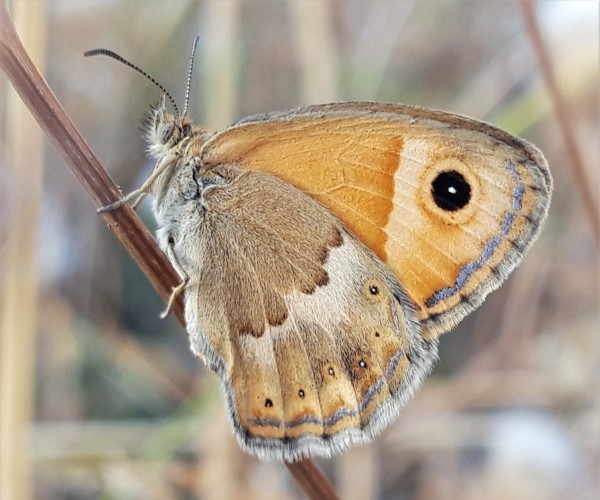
x: 324, y: 249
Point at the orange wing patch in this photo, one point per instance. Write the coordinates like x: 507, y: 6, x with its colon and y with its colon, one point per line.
x: 346, y: 163
x: 374, y: 165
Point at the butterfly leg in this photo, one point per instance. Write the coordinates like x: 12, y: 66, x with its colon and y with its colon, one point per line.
x: 139, y: 194
x: 179, y: 288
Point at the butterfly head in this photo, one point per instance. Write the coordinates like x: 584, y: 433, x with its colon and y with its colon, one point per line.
x: 175, y: 142
x: 173, y: 139
x: 170, y: 133
x: 167, y: 134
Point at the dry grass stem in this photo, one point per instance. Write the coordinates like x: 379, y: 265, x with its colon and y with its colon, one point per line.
x: 564, y: 118
x: 19, y: 281
x: 36, y: 94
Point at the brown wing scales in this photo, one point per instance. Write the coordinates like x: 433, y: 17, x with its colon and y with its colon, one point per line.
x: 314, y: 347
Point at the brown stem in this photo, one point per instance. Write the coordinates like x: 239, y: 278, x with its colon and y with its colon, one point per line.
x: 564, y: 119
x: 42, y: 103
x: 312, y: 480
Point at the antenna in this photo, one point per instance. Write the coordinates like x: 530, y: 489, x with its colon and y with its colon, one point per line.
x: 189, y: 79
x: 117, y: 57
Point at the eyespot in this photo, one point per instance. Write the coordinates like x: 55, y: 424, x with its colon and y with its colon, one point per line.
x: 450, y: 191
x: 301, y: 394
x: 374, y: 290
x: 268, y: 403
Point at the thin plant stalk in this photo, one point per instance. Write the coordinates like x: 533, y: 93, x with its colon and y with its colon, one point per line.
x: 52, y: 118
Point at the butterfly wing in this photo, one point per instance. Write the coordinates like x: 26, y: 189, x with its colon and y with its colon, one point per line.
x: 449, y: 203
x: 315, y: 341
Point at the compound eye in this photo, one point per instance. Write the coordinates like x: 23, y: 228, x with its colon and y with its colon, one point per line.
x: 186, y: 130
x: 167, y: 134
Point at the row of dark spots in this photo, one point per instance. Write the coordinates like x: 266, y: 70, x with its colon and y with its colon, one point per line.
x: 362, y: 363
x: 331, y: 372
x: 269, y: 401
x: 374, y: 290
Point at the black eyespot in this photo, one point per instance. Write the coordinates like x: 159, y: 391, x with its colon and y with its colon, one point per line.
x: 362, y: 364
x: 450, y: 191
x: 301, y: 393
x: 376, y: 334
x: 374, y: 290
x: 171, y: 240
x: 268, y: 403
x: 331, y: 371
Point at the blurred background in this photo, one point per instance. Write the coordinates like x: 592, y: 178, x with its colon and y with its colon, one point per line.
x: 120, y: 408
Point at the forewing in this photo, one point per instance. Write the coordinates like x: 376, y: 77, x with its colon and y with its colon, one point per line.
x: 373, y: 165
